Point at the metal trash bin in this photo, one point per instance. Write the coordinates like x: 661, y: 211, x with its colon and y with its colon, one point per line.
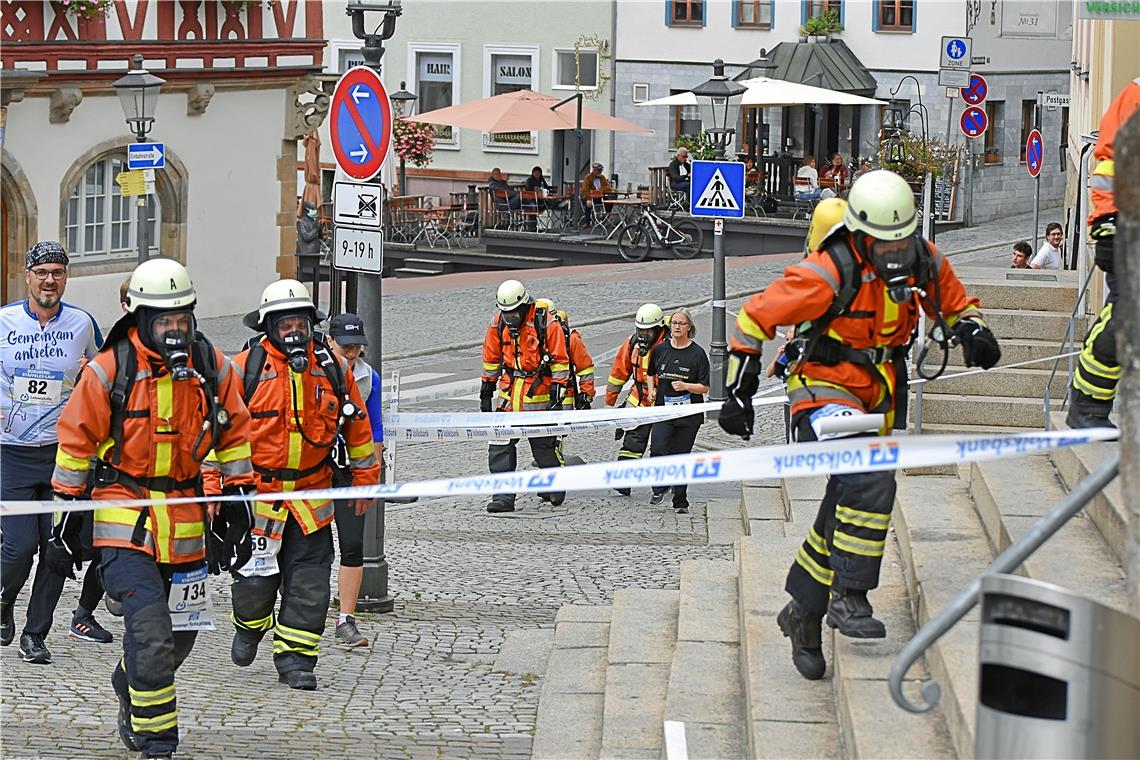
x: 1059, y: 674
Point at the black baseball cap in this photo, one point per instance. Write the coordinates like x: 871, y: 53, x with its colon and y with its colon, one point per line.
x: 347, y: 330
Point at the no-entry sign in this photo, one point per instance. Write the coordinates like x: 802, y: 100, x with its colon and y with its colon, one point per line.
x: 360, y: 123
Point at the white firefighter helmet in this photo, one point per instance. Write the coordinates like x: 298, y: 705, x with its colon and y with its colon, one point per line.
x: 283, y: 295
x: 160, y: 284
x: 511, y: 294
x: 649, y: 315
x: 881, y: 204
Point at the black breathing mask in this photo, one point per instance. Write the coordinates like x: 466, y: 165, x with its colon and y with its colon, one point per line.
x: 513, y: 319
x: 172, y: 345
x: 294, y: 343
x: 645, y: 338
x: 895, y: 261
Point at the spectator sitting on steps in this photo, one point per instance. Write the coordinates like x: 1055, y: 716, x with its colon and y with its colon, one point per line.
x: 1050, y: 256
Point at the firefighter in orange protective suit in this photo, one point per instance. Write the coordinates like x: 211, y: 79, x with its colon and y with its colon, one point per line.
x: 301, y: 397
x: 148, y: 408
x: 855, y: 303
x: 632, y: 361
x: 580, y: 388
x: 1098, y: 371
x: 525, y: 359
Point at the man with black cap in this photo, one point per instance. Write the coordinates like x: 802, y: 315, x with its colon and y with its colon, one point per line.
x: 595, y: 187
x: 347, y: 340
x: 302, y: 400
x: 44, y: 342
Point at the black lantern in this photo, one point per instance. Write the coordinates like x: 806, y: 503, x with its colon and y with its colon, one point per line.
x: 138, y: 94
x: 402, y: 100
x: 719, y: 100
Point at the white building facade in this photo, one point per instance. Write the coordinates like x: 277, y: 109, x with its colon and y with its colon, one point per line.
x: 239, y: 93
x: 449, y: 52
x: 667, y: 46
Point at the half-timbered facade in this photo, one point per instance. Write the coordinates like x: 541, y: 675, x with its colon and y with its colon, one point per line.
x: 239, y: 93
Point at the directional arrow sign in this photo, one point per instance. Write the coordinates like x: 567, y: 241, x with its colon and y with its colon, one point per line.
x: 1033, y: 152
x: 149, y: 155
x: 975, y: 92
x: 974, y: 122
x: 360, y: 123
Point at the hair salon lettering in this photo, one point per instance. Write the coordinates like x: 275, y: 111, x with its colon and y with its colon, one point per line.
x: 439, y: 68
x: 514, y: 72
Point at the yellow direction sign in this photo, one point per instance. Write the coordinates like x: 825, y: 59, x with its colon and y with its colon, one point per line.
x: 135, y: 182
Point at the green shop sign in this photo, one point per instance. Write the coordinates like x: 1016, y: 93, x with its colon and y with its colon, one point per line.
x: 1110, y: 11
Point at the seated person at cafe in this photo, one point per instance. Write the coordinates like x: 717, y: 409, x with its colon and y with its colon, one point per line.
x: 1021, y: 254
x: 497, y: 184
x: 679, y: 171
x: 807, y: 182
x: 836, y: 171
x: 595, y: 185
x: 536, y: 183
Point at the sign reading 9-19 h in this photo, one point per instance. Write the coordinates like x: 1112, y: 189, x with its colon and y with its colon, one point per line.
x: 360, y: 123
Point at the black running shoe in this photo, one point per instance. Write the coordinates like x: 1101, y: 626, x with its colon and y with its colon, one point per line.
x: 87, y: 628
x: 33, y: 649
x: 7, y: 624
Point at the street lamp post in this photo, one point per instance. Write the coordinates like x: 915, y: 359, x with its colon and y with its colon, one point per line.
x: 719, y: 101
x: 402, y: 101
x: 138, y: 94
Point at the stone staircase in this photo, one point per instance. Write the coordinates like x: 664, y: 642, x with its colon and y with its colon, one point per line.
x: 709, y: 654
x: 1029, y: 316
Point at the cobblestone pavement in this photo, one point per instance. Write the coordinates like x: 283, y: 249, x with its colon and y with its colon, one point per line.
x: 426, y: 687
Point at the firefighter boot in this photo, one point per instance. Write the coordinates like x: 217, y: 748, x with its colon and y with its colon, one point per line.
x: 1087, y: 412
x: 805, y: 631
x: 243, y: 651
x: 850, y: 613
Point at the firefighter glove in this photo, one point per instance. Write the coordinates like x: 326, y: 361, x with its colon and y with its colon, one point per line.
x: 583, y: 401
x: 486, y: 394
x: 742, y: 377
x: 64, y: 551
x: 556, y: 393
x: 230, y: 541
x: 1103, y: 231
x: 618, y: 434
x: 979, y: 346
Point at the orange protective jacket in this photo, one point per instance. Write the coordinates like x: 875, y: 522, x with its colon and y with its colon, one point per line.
x: 162, y: 423
x: 525, y: 376
x: 630, y: 362
x: 582, y: 367
x: 873, y: 321
x: 1100, y: 183
x: 286, y: 409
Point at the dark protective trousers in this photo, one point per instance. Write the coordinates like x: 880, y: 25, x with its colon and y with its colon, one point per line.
x: 305, y: 564
x: 1098, y: 370
x: 670, y: 438
x: 634, y: 442
x: 503, y: 457
x: 152, y: 652
x: 844, y: 547
x: 25, y: 475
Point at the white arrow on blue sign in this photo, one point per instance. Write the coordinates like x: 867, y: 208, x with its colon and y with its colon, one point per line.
x: 151, y: 155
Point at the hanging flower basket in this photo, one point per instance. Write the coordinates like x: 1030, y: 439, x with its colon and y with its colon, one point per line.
x: 82, y: 9
x: 414, y: 142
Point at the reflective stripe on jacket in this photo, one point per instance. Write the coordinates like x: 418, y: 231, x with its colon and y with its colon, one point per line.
x: 163, y: 420
x: 630, y: 362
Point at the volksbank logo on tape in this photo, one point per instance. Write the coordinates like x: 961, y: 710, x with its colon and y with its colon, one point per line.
x: 809, y: 463
x: 884, y: 453
x: 703, y: 470
x: 541, y: 481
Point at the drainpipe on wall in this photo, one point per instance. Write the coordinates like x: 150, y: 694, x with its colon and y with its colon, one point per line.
x: 613, y: 78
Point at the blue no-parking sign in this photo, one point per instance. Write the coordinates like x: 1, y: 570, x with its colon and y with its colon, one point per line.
x: 1033, y: 149
x: 360, y: 123
x: 717, y: 189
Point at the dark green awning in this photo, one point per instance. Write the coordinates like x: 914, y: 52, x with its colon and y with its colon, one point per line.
x: 838, y: 68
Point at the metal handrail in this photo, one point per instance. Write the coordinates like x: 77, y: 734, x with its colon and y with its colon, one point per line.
x: 1070, y: 330
x: 1006, y: 562
x: 1065, y: 349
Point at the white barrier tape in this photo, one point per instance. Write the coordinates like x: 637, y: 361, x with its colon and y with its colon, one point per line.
x: 520, y: 429
x: 795, y: 460
x: 416, y: 420
x: 979, y: 370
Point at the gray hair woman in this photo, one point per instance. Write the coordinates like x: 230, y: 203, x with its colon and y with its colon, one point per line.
x: 678, y: 375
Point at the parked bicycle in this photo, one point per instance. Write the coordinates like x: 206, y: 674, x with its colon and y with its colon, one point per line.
x: 637, y: 236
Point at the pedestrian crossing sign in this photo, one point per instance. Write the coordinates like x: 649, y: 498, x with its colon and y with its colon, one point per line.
x: 717, y: 189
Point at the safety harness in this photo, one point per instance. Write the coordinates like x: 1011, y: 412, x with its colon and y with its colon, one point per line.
x: 106, y: 473
x: 543, y: 370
